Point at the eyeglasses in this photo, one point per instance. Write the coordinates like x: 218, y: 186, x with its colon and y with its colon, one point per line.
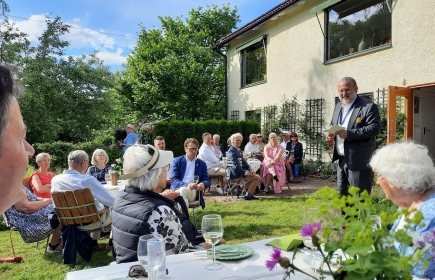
x: 192, y: 149
x: 137, y: 271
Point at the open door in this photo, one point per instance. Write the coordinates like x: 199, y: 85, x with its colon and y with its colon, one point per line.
x: 393, y: 93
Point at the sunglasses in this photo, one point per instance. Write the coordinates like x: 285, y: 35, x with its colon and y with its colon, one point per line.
x: 137, y: 271
x: 259, y: 136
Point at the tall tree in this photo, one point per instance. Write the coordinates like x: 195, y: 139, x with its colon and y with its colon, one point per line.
x: 175, y: 71
x: 66, y: 98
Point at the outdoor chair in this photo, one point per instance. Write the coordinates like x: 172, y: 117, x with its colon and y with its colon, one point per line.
x: 77, y: 208
x: 193, y: 205
x: 237, y: 185
x: 10, y: 226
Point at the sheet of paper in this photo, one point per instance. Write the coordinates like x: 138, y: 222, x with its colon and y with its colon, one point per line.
x: 333, y: 129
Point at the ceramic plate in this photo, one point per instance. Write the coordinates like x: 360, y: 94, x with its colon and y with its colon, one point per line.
x: 231, y: 252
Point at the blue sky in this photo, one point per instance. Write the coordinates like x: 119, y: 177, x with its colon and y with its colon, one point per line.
x: 97, y: 22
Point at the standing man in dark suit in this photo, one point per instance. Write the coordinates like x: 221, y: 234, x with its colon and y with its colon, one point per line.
x: 242, y: 169
x: 355, y: 144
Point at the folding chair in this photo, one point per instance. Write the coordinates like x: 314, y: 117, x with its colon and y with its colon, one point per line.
x: 236, y: 184
x: 77, y: 208
x: 9, y: 225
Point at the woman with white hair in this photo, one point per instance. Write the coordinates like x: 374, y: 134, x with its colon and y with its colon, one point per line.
x: 140, y: 209
x: 40, y: 182
x: 406, y: 174
x: 99, y: 167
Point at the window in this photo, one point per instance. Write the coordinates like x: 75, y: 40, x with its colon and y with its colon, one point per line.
x: 357, y: 25
x: 253, y: 115
x: 254, y: 63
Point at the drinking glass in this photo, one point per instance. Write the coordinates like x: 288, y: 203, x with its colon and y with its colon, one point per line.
x: 196, y: 179
x: 311, y: 215
x: 108, y: 178
x: 212, y: 231
x: 151, y: 253
x: 376, y: 222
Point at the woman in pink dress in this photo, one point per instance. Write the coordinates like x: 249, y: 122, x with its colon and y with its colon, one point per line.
x: 273, y: 167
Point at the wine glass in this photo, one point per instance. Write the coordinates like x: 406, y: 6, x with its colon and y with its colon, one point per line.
x: 108, y: 178
x: 311, y: 215
x: 196, y: 179
x: 212, y: 231
x: 151, y: 253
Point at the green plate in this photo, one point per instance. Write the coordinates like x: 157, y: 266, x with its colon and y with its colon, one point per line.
x: 231, y: 252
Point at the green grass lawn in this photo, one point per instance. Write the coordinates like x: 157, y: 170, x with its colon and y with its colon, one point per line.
x: 244, y: 221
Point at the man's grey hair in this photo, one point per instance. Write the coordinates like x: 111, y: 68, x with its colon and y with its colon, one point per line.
x: 234, y: 136
x: 216, y: 136
x: 7, y: 91
x: 136, y: 157
x: 253, y: 134
x: 76, y: 157
x: 205, y: 134
x: 348, y: 80
x: 406, y: 165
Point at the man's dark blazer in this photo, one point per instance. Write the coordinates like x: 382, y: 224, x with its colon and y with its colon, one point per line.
x: 363, y: 127
x: 237, y: 170
x: 298, y: 153
x: 178, y: 168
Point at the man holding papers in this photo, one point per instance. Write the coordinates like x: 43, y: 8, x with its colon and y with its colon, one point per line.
x: 355, y: 144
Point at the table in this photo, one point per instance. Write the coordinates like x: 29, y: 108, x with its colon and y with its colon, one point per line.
x: 192, y: 266
x: 255, y: 164
x: 114, y: 190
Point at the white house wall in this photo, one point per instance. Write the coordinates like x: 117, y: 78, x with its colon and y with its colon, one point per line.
x: 295, y: 58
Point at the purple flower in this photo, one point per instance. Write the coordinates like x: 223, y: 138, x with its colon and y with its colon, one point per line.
x: 276, y: 254
x: 421, y: 243
x: 311, y: 229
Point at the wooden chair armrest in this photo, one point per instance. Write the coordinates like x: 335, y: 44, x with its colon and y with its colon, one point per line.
x: 105, y: 210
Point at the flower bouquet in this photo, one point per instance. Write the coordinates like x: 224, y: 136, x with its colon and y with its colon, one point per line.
x: 117, y: 166
x: 369, y: 249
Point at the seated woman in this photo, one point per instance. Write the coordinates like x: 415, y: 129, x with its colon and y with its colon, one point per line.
x: 141, y: 209
x: 406, y: 174
x: 30, y: 216
x: 41, y: 179
x: 295, y: 149
x: 99, y: 167
x: 273, y: 166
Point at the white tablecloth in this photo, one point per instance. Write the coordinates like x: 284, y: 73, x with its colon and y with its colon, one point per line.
x: 192, y: 266
x: 255, y: 164
x: 114, y: 190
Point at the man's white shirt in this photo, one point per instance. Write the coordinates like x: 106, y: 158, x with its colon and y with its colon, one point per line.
x: 209, y: 156
x: 251, y: 148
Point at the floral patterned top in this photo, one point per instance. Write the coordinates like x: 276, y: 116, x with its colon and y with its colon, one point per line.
x: 99, y: 174
x: 164, y: 221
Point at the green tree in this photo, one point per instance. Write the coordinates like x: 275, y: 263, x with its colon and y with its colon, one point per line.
x: 66, y: 98
x: 175, y: 71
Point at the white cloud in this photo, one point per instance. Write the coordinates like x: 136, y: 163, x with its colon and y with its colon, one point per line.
x: 112, y: 58
x: 76, y: 20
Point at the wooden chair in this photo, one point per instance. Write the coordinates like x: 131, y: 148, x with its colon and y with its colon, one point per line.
x: 78, y: 208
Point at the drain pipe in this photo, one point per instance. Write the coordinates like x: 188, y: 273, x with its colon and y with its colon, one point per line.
x: 217, y: 49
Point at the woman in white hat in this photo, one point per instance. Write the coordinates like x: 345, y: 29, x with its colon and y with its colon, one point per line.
x: 131, y: 138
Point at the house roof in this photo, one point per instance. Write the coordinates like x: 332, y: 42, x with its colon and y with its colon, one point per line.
x: 256, y: 22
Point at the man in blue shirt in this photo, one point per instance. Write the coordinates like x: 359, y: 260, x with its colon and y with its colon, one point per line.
x: 75, y: 178
x: 131, y: 138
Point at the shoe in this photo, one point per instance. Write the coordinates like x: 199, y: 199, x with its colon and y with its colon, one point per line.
x: 219, y: 189
x: 250, y: 197
x: 57, y: 248
x: 239, y: 190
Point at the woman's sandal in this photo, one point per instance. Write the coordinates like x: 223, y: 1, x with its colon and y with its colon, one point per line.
x: 53, y: 248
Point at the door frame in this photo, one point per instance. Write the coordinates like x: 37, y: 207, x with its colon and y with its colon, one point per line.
x: 393, y: 93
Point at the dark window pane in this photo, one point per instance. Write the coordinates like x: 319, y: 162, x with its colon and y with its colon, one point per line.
x: 254, y: 64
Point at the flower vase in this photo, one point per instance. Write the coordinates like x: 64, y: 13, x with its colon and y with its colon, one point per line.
x: 114, y: 178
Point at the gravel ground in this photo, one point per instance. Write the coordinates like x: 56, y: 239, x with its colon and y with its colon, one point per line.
x: 303, y: 186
